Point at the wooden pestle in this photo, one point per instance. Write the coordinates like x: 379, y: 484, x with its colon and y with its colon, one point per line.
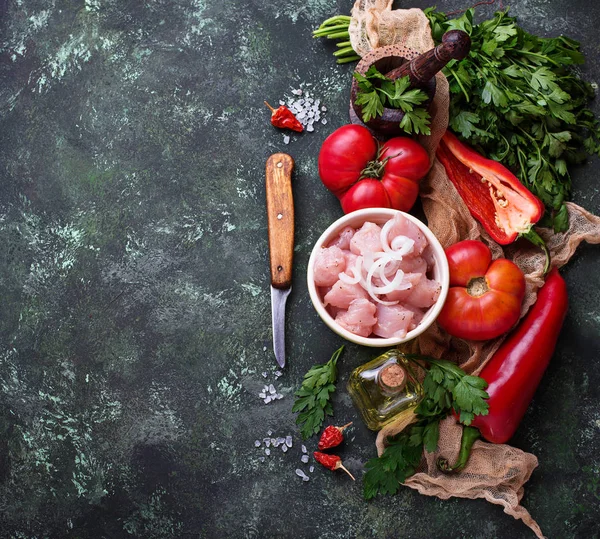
x: 455, y: 45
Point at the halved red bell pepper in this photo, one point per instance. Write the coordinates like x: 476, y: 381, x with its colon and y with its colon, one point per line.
x: 516, y: 369
x: 493, y: 194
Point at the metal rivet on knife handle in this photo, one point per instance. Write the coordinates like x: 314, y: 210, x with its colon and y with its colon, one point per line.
x: 280, y: 217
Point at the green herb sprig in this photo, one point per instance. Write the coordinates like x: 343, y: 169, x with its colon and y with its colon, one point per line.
x: 446, y: 387
x: 517, y: 99
x: 313, y: 398
x: 337, y: 27
x: 375, y: 91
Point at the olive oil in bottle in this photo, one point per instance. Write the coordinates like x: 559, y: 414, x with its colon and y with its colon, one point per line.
x: 384, y: 388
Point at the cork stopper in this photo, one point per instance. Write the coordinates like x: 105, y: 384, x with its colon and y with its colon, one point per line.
x: 392, y: 377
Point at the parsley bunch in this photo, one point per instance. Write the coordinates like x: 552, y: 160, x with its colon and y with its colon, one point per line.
x: 518, y: 100
x: 375, y: 91
x: 312, y: 399
x: 446, y: 387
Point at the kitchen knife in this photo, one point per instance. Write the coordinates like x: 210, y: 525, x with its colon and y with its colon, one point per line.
x: 280, y: 219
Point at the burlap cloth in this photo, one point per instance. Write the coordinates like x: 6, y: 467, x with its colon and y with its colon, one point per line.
x: 494, y: 472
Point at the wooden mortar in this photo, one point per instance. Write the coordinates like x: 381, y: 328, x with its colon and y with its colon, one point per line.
x: 397, y: 61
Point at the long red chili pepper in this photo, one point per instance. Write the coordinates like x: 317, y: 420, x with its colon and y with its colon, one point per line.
x: 331, y: 462
x: 493, y: 194
x: 515, y: 370
x: 332, y: 436
x: 284, y: 118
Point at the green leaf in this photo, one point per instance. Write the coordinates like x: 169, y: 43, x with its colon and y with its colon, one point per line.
x: 431, y: 435
x: 416, y: 121
x: 371, y: 105
x: 560, y: 220
x: 469, y: 395
x: 491, y: 93
x: 313, y: 397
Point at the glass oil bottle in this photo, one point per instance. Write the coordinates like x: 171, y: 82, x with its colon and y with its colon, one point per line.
x: 385, y: 388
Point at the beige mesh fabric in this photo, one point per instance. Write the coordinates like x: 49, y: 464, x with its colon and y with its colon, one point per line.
x: 494, y: 472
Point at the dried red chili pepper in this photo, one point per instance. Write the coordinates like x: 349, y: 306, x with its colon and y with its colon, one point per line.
x: 493, y: 194
x: 284, y: 118
x: 515, y: 370
x: 332, y: 436
x: 331, y: 462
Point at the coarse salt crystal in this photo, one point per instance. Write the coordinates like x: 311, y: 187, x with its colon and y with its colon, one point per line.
x: 288, y: 441
x: 297, y: 92
x: 311, y: 469
x: 284, y: 448
x: 286, y: 139
x: 269, y: 432
x: 264, y: 374
x: 278, y: 374
x: 324, y: 121
x: 272, y: 389
x: 324, y: 108
x: 267, y: 399
x: 267, y: 451
x: 281, y: 102
x: 304, y: 450
x: 267, y: 442
x: 257, y: 443
x: 301, y: 474
x: 310, y: 128
x: 304, y: 458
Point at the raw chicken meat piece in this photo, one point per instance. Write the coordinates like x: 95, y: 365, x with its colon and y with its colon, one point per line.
x: 330, y: 262
x: 424, y: 295
x: 359, y: 318
x: 400, y: 295
x: 392, y: 321
x: 418, y: 315
x: 366, y: 239
x: 403, y: 227
x: 413, y: 264
x: 342, y: 294
x: 343, y: 240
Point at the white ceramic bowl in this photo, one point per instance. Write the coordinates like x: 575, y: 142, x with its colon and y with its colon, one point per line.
x: 378, y: 216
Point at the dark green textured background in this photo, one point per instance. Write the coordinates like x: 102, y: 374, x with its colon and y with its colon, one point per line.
x: 135, y: 309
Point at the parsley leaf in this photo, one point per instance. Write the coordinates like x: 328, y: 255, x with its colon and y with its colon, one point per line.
x: 312, y: 399
x: 446, y: 388
x: 376, y: 91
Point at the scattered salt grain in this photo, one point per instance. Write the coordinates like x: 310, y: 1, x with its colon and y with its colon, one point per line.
x: 281, y: 102
x: 311, y: 469
x: 267, y: 399
x: 269, y: 432
x: 276, y: 443
x: 288, y: 441
x: 304, y: 459
x: 286, y: 139
x: 297, y: 92
x: 257, y: 443
x: 324, y: 121
x: 278, y: 374
x: 310, y: 128
x: 267, y: 451
x: 262, y: 394
x: 304, y: 450
x: 262, y: 459
x: 264, y: 374
x: 284, y: 448
x: 272, y: 389
x: 301, y: 474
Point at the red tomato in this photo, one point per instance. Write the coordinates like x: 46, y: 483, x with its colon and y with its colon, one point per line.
x: 364, y: 175
x: 485, y: 296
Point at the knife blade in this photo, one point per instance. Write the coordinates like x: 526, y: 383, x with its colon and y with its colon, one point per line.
x: 280, y: 222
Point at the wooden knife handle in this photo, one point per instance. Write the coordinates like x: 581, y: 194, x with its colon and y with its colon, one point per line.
x: 280, y: 218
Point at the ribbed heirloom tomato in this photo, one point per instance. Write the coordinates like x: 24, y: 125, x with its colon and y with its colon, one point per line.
x: 364, y: 174
x: 484, y: 300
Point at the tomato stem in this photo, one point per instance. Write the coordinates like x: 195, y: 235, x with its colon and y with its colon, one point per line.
x: 477, y: 287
